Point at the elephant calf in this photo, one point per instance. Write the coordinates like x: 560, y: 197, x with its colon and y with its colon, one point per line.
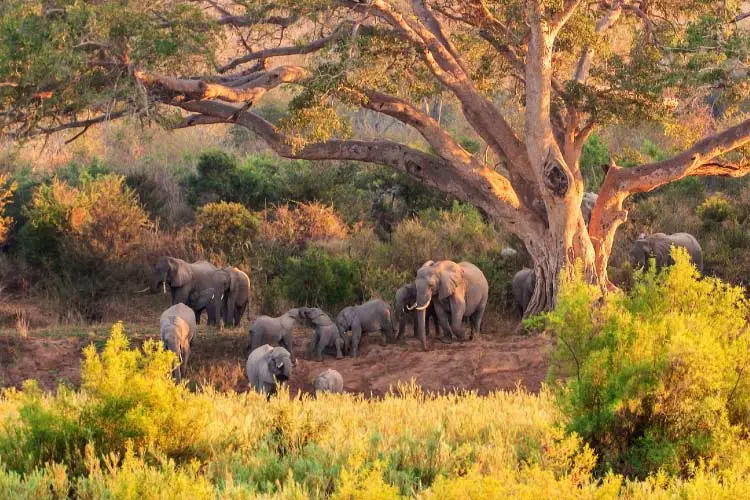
x: 207, y: 300
x: 275, y: 331
x: 372, y: 316
x: 267, y: 366
x: 326, y: 333
x: 659, y: 246
x: 329, y: 381
x: 524, y: 282
x: 177, y: 329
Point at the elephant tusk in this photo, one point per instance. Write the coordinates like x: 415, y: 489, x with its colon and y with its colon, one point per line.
x: 424, y: 306
x: 412, y: 307
x: 163, y: 287
x: 144, y: 290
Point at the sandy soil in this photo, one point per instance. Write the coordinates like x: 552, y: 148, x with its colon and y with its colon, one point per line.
x: 493, y: 362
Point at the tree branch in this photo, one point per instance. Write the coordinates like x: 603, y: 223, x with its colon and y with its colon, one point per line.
x: 489, y: 190
x: 562, y: 17
x: 284, y: 51
x: 78, y: 124
x: 696, y: 161
x: 606, y: 22
x: 240, y: 21
x: 176, y: 89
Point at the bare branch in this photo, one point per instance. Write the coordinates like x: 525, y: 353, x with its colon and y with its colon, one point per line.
x: 606, y: 22
x: 177, y: 89
x: 562, y: 17
x: 78, y: 124
x: 283, y: 51
x: 238, y: 21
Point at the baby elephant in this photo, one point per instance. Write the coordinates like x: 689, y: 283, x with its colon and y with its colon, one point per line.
x: 372, y: 316
x: 326, y: 333
x: 177, y: 332
x: 329, y: 381
x: 266, y: 366
x: 275, y: 331
x: 207, y: 300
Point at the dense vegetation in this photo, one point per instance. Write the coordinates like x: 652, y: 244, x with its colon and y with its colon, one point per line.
x: 656, y: 404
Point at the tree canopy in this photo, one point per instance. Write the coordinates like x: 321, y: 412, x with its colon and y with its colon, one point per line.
x: 532, y: 79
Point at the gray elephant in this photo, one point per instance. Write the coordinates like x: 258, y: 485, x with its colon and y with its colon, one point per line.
x: 405, y: 297
x: 177, y: 329
x: 267, y: 366
x: 458, y: 291
x: 185, y: 278
x: 207, y: 300
x: 325, y: 335
x: 237, y: 300
x: 329, y: 381
x: 524, y: 282
x: 372, y: 316
x: 587, y: 205
x: 276, y: 331
x: 659, y: 246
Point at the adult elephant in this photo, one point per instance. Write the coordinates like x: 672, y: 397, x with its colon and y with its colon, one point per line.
x: 184, y: 279
x: 659, y: 246
x: 456, y: 290
x: 237, y: 300
x: 523, y: 289
x: 405, y: 297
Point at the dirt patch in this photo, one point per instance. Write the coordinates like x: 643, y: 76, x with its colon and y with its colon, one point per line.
x: 490, y: 363
x: 49, y: 361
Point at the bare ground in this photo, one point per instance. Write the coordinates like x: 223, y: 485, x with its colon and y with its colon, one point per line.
x: 490, y: 363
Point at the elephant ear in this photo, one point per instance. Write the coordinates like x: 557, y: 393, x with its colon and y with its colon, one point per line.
x: 450, y: 279
x: 179, y: 273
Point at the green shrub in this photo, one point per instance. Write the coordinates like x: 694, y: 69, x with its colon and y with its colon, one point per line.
x: 322, y: 280
x: 89, y: 241
x: 127, y: 399
x: 716, y: 209
x: 595, y: 154
x: 657, y: 378
x: 226, y: 230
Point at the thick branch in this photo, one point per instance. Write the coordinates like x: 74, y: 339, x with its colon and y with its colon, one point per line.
x: 696, y: 161
x: 439, y: 139
x: 283, y: 51
x: 605, y: 23
x: 486, y: 188
x: 197, y: 90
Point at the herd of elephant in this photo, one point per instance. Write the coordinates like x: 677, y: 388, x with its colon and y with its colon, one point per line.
x: 444, y: 292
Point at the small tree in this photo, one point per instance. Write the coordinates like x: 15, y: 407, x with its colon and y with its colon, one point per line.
x: 574, y: 66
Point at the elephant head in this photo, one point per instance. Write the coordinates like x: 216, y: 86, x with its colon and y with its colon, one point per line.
x: 444, y: 278
x: 170, y: 271
x: 206, y: 299
x: 641, y: 253
x: 280, y: 364
x: 406, y: 296
x: 314, y: 316
x: 345, y: 319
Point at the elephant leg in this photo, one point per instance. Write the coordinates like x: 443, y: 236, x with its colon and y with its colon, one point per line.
x: 401, y: 325
x: 181, y: 295
x: 339, y: 346
x: 476, y: 320
x: 286, y: 342
x: 421, y: 320
x: 443, y: 321
x: 211, y: 315
x: 457, y: 317
x: 322, y: 343
x: 356, y: 337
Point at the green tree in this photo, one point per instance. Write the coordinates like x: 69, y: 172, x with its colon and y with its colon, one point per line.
x: 575, y: 65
